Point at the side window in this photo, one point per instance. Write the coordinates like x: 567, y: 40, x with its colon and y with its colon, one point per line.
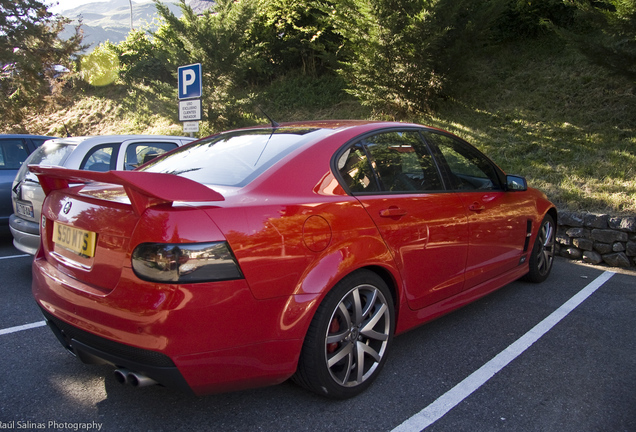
x: 138, y: 154
x: 469, y: 169
x: 12, y: 153
x: 99, y: 158
x: 403, y: 162
x: 356, y: 171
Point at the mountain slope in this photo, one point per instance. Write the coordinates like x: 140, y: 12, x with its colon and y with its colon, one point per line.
x: 110, y: 21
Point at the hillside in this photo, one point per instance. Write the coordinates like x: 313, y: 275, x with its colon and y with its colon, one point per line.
x: 537, y: 108
x: 110, y: 21
x: 541, y: 110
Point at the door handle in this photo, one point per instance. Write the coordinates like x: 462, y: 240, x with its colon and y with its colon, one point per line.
x: 476, y: 207
x: 392, y: 212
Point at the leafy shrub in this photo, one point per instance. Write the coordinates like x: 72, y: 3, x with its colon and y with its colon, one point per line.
x: 528, y: 19
x: 403, y: 53
x: 140, y: 61
x: 101, y: 67
x: 294, y: 35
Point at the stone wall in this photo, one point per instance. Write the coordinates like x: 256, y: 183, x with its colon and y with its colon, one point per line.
x: 597, y: 239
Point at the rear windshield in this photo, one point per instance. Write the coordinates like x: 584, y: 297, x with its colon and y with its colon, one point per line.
x: 232, y: 159
x: 50, y: 153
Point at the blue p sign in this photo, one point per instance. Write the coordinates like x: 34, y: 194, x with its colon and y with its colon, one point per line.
x: 190, y: 81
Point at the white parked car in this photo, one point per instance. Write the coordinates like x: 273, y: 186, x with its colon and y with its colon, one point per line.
x: 93, y: 153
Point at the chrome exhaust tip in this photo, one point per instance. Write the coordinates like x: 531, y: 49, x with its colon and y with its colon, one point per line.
x: 136, y: 379
x: 121, y: 375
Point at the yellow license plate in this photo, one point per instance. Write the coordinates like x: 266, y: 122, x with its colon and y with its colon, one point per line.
x: 74, y: 239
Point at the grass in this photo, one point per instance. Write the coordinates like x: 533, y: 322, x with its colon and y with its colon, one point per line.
x: 540, y: 110
x: 537, y: 108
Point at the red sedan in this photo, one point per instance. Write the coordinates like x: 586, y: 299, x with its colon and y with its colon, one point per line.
x: 261, y: 254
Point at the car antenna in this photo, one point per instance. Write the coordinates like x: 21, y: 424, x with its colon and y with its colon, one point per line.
x: 67, y: 132
x: 274, y: 123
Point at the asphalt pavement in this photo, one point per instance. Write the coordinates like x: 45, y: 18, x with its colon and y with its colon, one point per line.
x: 462, y: 372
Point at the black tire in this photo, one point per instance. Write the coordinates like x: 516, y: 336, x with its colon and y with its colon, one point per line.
x: 542, y: 255
x: 349, y: 337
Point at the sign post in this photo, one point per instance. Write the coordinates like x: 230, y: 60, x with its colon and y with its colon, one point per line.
x: 190, y: 90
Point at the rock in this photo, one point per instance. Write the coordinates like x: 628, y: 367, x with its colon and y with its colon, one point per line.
x: 563, y: 240
x: 614, y: 222
x: 602, y: 248
x: 618, y: 247
x: 572, y: 253
x: 608, y: 236
x: 584, y: 244
x: 592, y: 257
x: 575, y: 232
x: 596, y: 221
x: 617, y: 260
x: 627, y: 224
x: 571, y: 219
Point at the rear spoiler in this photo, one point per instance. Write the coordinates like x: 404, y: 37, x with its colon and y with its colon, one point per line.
x: 144, y: 189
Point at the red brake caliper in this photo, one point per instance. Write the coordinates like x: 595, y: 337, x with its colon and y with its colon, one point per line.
x: 333, y: 328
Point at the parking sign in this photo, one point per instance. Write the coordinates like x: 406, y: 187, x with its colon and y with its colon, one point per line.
x: 190, y: 85
x: 190, y: 110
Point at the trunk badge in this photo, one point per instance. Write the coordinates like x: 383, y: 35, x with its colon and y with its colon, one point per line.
x: 67, y: 207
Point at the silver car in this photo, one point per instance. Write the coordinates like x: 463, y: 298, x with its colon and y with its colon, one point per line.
x: 98, y: 153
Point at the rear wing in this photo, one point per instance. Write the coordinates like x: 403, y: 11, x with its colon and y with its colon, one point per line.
x: 144, y: 189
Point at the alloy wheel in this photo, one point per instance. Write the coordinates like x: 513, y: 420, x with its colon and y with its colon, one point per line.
x: 358, y: 335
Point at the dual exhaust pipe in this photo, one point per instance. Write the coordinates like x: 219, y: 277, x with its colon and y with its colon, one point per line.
x: 135, y: 379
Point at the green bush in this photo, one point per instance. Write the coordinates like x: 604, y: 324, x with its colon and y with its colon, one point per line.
x: 523, y: 19
x: 403, y: 53
x: 294, y: 35
x: 140, y: 61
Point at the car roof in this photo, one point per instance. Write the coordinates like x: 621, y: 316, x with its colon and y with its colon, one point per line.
x: 25, y: 136
x: 330, y: 124
x: 339, y: 125
x: 102, y: 139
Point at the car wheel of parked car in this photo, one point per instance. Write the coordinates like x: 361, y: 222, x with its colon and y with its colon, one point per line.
x: 348, y: 340
x: 543, y: 251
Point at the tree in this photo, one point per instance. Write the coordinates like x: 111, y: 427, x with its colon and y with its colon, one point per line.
x: 217, y: 39
x: 30, y: 52
x: 403, y: 52
x: 140, y: 61
x: 296, y: 35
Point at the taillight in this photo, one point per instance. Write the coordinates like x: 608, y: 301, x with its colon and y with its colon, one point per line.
x: 185, y: 263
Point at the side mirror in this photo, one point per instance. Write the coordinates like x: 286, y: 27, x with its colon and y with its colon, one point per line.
x: 516, y: 183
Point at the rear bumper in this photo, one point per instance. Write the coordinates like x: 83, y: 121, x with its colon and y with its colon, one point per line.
x: 197, y: 338
x: 26, y: 234
x: 92, y: 349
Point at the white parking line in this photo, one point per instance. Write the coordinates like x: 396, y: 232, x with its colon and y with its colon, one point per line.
x: 22, y: 327
x: 461, y: 391
x: 14, y: 256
